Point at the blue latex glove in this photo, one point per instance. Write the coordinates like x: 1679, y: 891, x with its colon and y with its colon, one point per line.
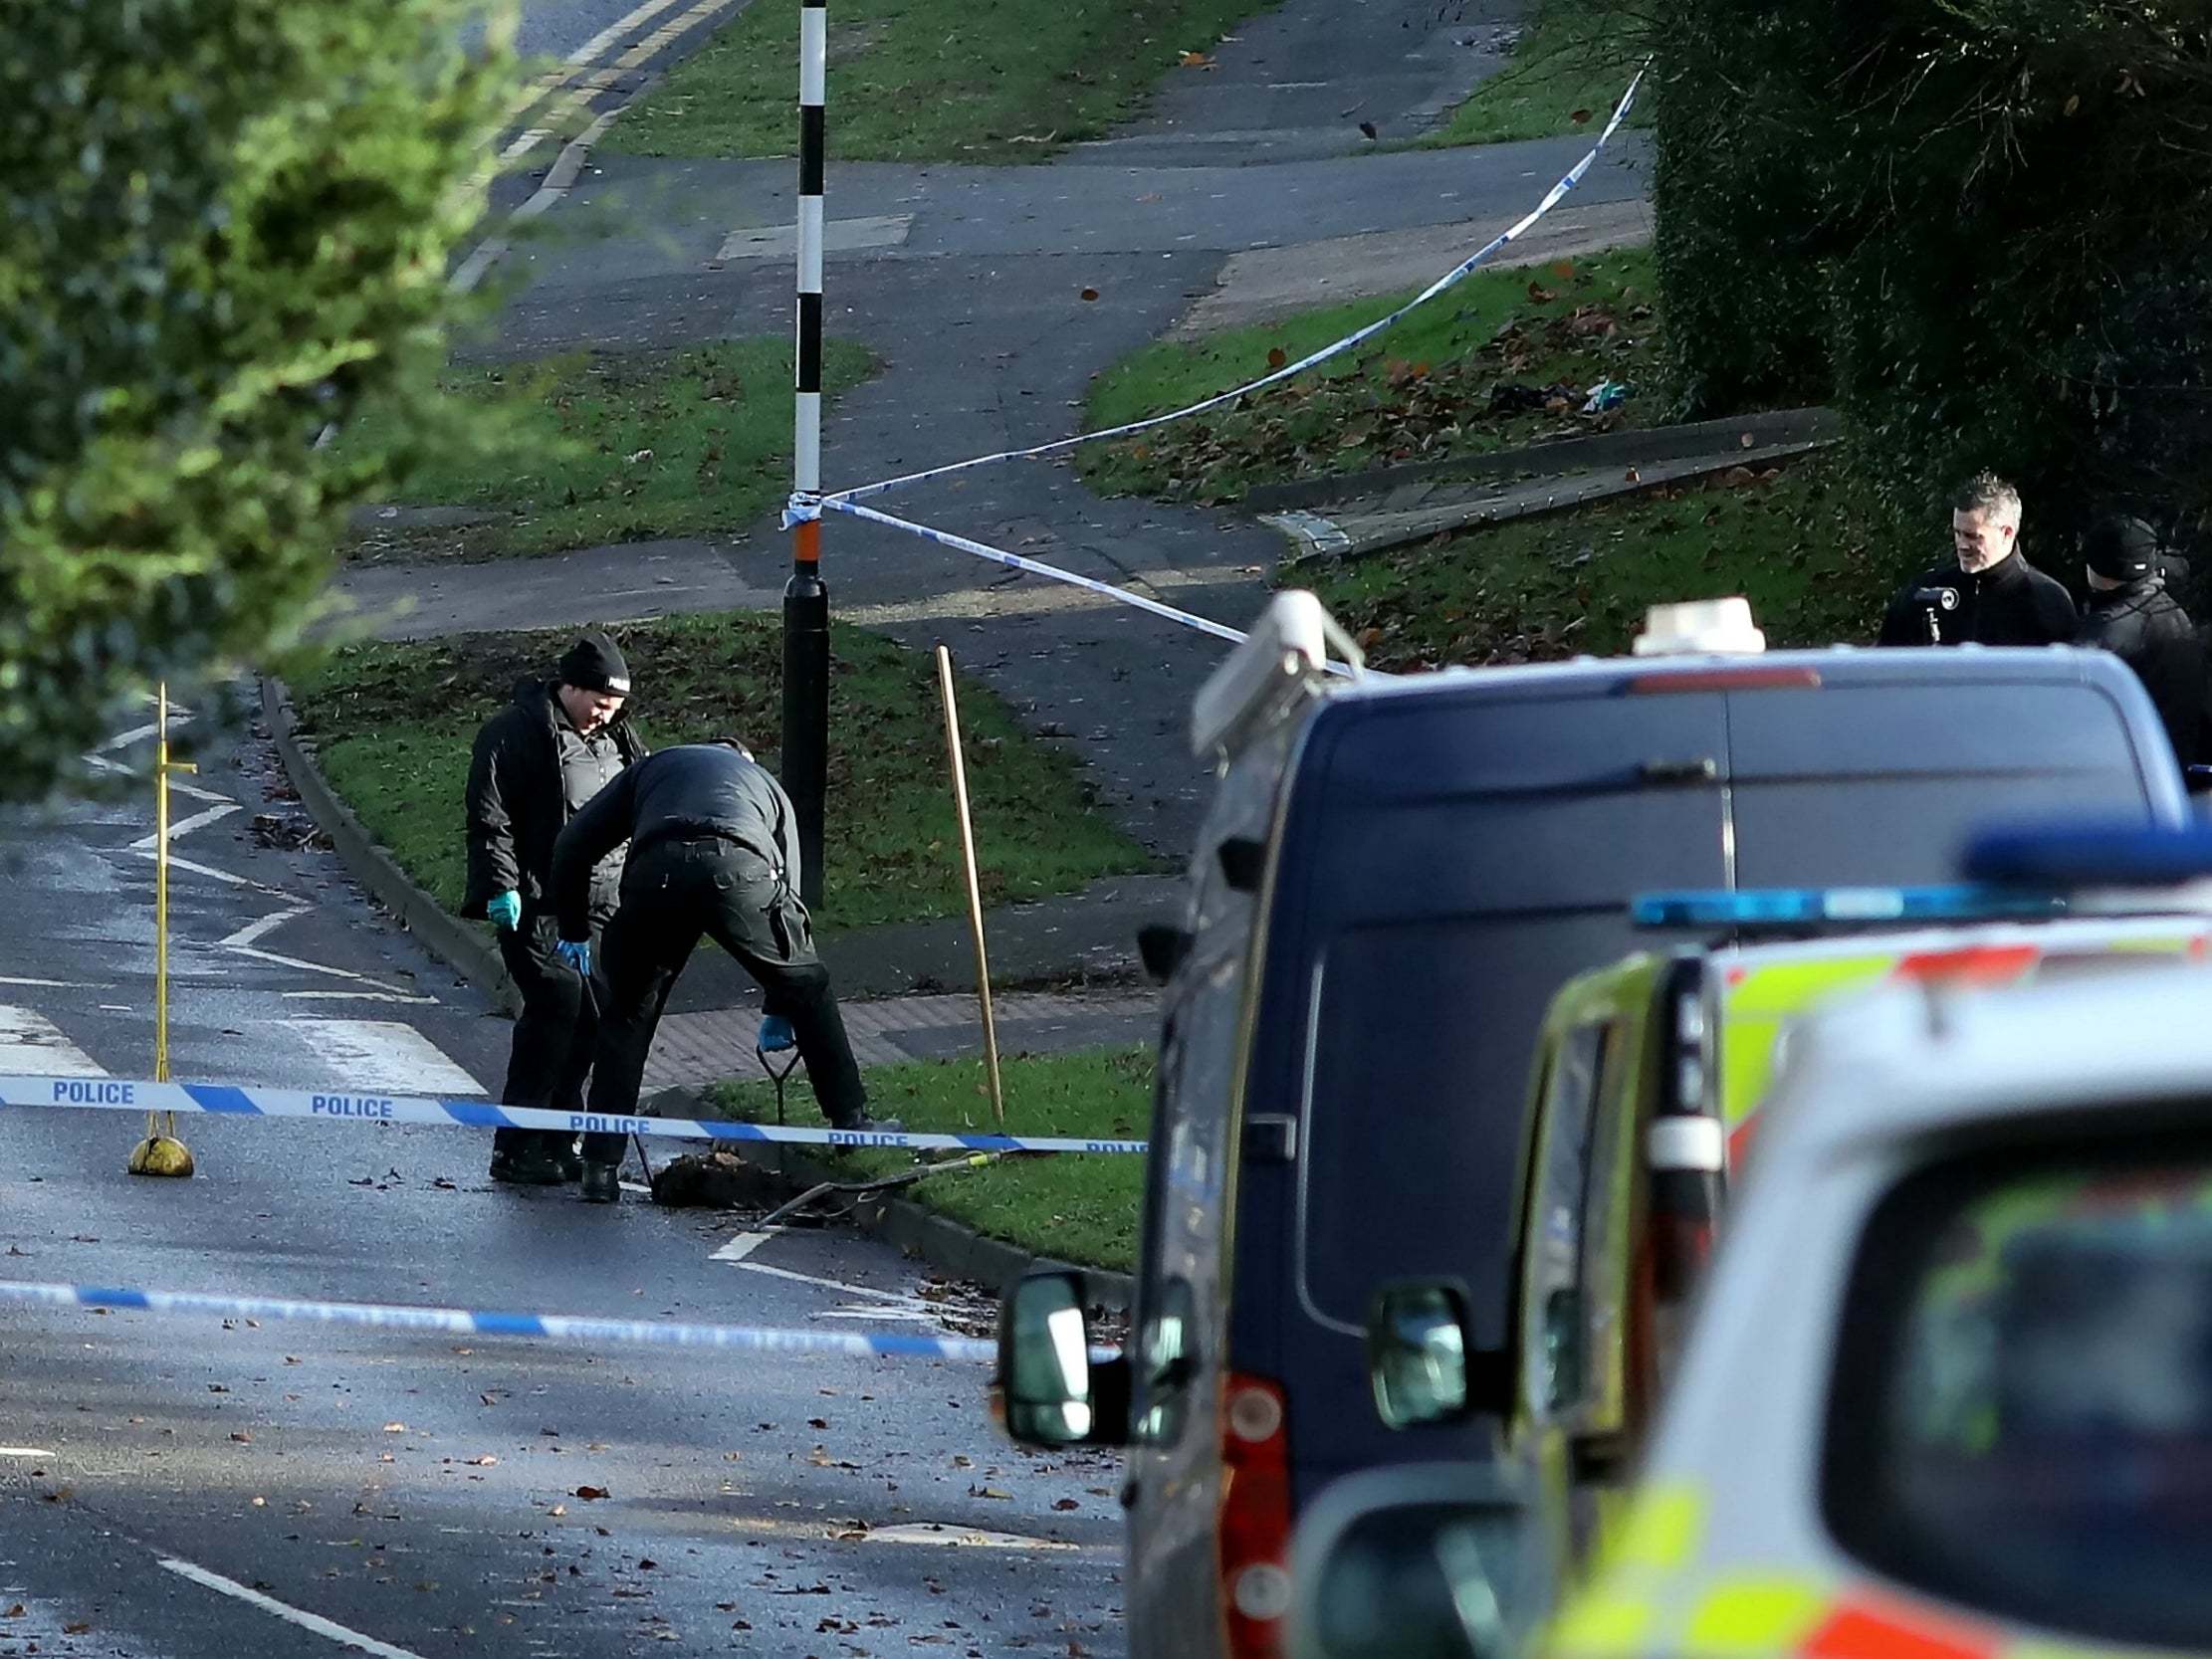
x: 576, y: 952
x: 506, y: 910
x: 777, y: 1035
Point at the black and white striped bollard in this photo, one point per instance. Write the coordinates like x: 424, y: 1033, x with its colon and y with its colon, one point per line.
x: 805, y: 759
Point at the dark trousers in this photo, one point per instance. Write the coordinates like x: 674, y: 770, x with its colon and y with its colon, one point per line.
x: 554, y: 1034
x: 673, y: 891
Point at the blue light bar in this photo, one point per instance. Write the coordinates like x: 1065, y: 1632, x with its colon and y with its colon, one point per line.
x: 2091, y: 854
x: 1789, y: 907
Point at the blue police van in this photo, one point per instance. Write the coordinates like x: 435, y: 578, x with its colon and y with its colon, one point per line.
x: 1396, y: 876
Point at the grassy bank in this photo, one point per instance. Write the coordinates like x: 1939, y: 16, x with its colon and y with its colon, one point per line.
x: 1427, y: 388
x: 1563, y: 77
x: 394, y: 724
x: 1079, y: 1208
x: 930, y: 79
x: 1817, y: 560
x: 602, y: 447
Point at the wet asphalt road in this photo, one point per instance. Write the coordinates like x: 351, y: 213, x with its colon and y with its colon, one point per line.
x: 159, y: 1475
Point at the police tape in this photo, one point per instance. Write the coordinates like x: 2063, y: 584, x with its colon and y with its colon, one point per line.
x: 1314, y: 359
x: 459, y: 1322
x: 107, y: 1094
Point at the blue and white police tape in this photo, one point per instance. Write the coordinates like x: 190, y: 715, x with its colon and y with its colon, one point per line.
x: 814, y: 508
x: 1335, y: 349
x: 360, y: 1105
x: 459, y: 1322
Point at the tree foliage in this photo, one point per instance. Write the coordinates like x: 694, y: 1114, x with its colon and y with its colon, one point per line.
x: 1984, y: 225
x: 227, y: 226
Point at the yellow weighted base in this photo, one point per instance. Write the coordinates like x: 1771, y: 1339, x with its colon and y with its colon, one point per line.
x: 162, y: 1154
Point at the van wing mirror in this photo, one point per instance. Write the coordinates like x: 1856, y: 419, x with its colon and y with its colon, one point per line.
x: 1419, y: 1561
x: 1054, y: 1393
x: 1421, y: 1362
x: 1162, y: 946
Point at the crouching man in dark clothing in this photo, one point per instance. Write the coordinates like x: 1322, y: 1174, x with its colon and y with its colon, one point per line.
x: 2132, y: 615
x: 535, y: 763
x: 714, y: 849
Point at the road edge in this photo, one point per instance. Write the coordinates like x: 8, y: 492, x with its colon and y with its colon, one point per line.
x: 952, y: 1247
x: 448, y: 939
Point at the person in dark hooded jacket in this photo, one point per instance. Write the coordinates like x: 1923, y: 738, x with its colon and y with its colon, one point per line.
x: 2132, y: 615
x: 537, y: 763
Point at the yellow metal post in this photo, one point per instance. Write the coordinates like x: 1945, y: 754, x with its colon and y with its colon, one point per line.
x: 974, y: 880
x: 161, y: 1152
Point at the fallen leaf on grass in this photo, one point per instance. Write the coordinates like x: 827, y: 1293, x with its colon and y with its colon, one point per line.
x: 1065, y: 1503
x: 591, y: 1494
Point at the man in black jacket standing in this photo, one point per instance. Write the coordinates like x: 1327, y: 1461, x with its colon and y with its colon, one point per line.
x: 1990, y: 595
x: 2132, y: 615
x: 714, y: 849
x: 535, y: 765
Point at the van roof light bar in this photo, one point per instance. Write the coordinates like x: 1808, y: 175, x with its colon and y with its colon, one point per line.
x: 1839, y: 907
x: 2092, y: 854
x: 1283, y: 660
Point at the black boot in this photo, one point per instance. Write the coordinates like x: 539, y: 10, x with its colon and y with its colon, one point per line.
x: 601, y: 1185
x: 865, y: 1124
x: 525, y: 1167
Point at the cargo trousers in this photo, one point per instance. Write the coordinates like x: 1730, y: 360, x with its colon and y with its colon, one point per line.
x: 674, y: 890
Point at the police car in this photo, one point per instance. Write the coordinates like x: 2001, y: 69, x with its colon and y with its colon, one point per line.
x: 1949, y: 1396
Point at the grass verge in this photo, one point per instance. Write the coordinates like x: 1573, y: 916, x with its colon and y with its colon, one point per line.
x: 1564, y: 76
x: 930, y: 79
x: 1502, y: 360
x: 1817, y: 559
x: 1081, y: 1208
x: 394, y: 724
x: 597, y: 447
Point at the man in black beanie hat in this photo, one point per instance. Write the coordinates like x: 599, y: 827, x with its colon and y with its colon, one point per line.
x: 2132, y: 615
x: 537, y: 763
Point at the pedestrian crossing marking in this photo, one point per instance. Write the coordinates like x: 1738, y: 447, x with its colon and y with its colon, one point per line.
x: 383, y: 1054
x: 31, y: 1042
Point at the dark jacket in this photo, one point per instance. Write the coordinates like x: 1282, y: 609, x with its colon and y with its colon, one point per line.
x: 692, y: 791
x: 2011, y: 603
x: 2145, y: 627
x: 516, y: 806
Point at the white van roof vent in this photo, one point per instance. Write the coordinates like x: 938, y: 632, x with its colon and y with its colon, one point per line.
x: 1282, y: 662
x: 1700, y: 627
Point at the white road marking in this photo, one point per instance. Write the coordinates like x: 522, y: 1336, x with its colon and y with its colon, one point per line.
x: 253, y: 932
x: 53, y: 984
x: 269, y: 1604
x: 304, y: 967
x: 974, y: 1538
x: 24, y: 1451
x: 175, y: 784
x: 917, y: 1315
x: 198, y: 821
x: 740, y: 1247
x: 399, y: 997
x: 839, y: 236
x: 33, y: 1045
x: 899, y: 1299
x: 383, y: 1054
x: 178, y: 862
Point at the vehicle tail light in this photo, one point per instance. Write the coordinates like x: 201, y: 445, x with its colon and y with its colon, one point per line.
x: 1725, y: 680
x: 1255, y: 1517
x: 1975, y: 964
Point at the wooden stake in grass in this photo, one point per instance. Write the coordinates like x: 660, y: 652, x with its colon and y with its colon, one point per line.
x: 975, y: 881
